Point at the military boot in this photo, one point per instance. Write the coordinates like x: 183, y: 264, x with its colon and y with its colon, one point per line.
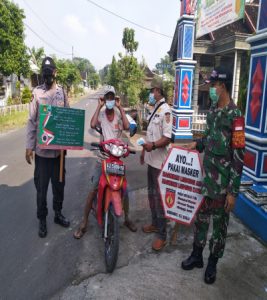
x: 42, y: 228
x: 61, y: 220
x: 210, y: 273
x: 195, y: 260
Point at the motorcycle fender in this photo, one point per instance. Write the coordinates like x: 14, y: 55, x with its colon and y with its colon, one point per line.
x: 113, y: 197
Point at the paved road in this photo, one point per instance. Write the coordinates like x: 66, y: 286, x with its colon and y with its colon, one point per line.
x: 34, y: 268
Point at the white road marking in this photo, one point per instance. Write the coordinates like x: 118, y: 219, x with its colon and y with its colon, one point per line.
x: 3, y: 167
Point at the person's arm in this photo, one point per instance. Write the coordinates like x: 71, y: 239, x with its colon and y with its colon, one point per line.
x: 31, y: 129
x: 199, y: 144
x: 166, y: 134
x: 235, y: 174
x: 125, y: 121
x: 162, y: 142
x: 94, y: 120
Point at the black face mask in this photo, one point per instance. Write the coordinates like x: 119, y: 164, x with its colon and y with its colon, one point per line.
x: 49, y: 77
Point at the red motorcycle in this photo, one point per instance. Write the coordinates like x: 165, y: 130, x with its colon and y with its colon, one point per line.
x: 108, y: 206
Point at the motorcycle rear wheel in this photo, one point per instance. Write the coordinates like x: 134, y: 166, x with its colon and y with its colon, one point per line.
x: 112, y: 241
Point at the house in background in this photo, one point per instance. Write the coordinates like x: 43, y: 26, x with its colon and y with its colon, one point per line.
x: 226, y: 46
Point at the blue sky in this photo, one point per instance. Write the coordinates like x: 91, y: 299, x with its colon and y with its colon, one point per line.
x: 96, y: 34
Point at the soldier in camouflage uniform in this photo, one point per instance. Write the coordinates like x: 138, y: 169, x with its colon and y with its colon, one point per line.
x: 223, y: 145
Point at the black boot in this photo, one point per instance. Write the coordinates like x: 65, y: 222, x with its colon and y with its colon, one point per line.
x: 210, y: 273
x: 194, y: 260
x: 42, y: 228
x: 61, y: 220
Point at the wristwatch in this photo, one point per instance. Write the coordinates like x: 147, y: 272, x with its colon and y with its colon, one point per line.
x: 153, y: 146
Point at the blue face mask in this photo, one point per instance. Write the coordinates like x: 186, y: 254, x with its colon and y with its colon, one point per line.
x: 151, y: 99
x: 110, y: 104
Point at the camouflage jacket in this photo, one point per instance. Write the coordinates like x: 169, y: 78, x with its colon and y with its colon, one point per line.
x: 222, y: 163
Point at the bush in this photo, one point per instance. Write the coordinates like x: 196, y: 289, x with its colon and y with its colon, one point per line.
x: 26, y: 95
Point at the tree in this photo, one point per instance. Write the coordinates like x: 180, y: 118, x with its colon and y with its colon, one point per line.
x: 103, y: 73
x: 38, y: 54
x: 128, y: 41
x: 126, y: 73
x: 94, y: 80
x: 114, y: 75
x: 13, y: 51
x: 67, y: 73
x: 85, y: 67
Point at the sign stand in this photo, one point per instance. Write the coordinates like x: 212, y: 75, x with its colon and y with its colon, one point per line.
x: 61, y: 169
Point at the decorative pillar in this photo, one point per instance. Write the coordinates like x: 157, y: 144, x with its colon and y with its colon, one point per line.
x: 196, y: 84
x: 184, y: 75
x: 251, y: 206
x: 236, y: 79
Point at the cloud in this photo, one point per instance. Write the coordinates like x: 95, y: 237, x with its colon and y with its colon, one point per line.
x: 74, y: 24
x: 98, y: 26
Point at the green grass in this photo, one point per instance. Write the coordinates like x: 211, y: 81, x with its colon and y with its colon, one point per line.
x: 13, y: 121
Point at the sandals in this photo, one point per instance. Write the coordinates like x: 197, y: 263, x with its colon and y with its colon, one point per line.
x: 78, y: 234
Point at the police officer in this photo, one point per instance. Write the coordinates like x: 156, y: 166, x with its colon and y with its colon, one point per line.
x: 223, y: 145
x: 154, y: 153
x: 47, y: 162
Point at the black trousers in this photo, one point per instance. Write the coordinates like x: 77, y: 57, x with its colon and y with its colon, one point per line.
x: 157, y: 211
x: 46, y: 169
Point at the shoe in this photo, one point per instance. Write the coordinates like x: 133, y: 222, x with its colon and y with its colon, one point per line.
x: 149, y: 228
x: 130, y: 225
x: 158, y: 244
x: 195, y: 260
x: 210, y: 273
x: 61, y: 220
x: 42, y: 228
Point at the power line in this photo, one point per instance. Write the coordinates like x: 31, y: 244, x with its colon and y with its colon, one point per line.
x: 48, y: 44
x: 129, y: 21
x: 25, y: 24
x: 43, y: 22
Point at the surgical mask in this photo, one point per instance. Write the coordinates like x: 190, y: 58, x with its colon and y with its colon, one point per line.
x: 151, y: 99
x: 213, y: 95
x: 110, y: 104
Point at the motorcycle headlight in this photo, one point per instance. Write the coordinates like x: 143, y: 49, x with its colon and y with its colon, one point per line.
x: 117, y: 151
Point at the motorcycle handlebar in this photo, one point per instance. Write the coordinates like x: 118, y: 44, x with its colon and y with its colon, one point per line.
x: 95, y: 145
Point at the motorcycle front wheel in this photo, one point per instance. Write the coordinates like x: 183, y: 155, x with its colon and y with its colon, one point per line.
x: 112, y: 240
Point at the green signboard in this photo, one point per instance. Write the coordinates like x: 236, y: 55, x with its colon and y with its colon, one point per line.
x: 61, y: 128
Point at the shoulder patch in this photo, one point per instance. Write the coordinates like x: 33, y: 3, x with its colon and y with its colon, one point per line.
x: 238, y: 133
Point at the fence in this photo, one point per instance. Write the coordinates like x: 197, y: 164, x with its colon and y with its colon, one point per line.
x: 7, y: 110
x: 199, y: 123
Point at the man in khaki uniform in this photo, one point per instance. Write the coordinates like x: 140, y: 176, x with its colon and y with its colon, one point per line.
x: 154, y: 153
x: 47, y: 162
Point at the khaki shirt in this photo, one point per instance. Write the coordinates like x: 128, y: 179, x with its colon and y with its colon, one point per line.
x: 40, y: 95
x: 159, y: 126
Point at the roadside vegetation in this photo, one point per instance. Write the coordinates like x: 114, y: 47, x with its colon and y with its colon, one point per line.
x: 13, y: 121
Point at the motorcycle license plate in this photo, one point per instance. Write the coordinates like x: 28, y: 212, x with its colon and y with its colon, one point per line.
x: 115, y: 169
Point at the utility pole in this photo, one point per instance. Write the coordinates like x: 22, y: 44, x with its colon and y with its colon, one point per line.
x: 72, y: 53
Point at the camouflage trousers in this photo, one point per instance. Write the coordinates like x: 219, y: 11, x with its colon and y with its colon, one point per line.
x: 215, y: 209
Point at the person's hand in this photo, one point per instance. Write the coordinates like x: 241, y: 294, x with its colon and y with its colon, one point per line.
x: 101, y: 102
x: 229, y: 203
x: 190, y: 146
x: 29, y: 156
x: 118, y: 101
x: 142, y: 158
x: 148, y: 147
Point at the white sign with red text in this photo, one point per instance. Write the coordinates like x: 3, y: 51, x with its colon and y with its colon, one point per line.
x: 180, y: 183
